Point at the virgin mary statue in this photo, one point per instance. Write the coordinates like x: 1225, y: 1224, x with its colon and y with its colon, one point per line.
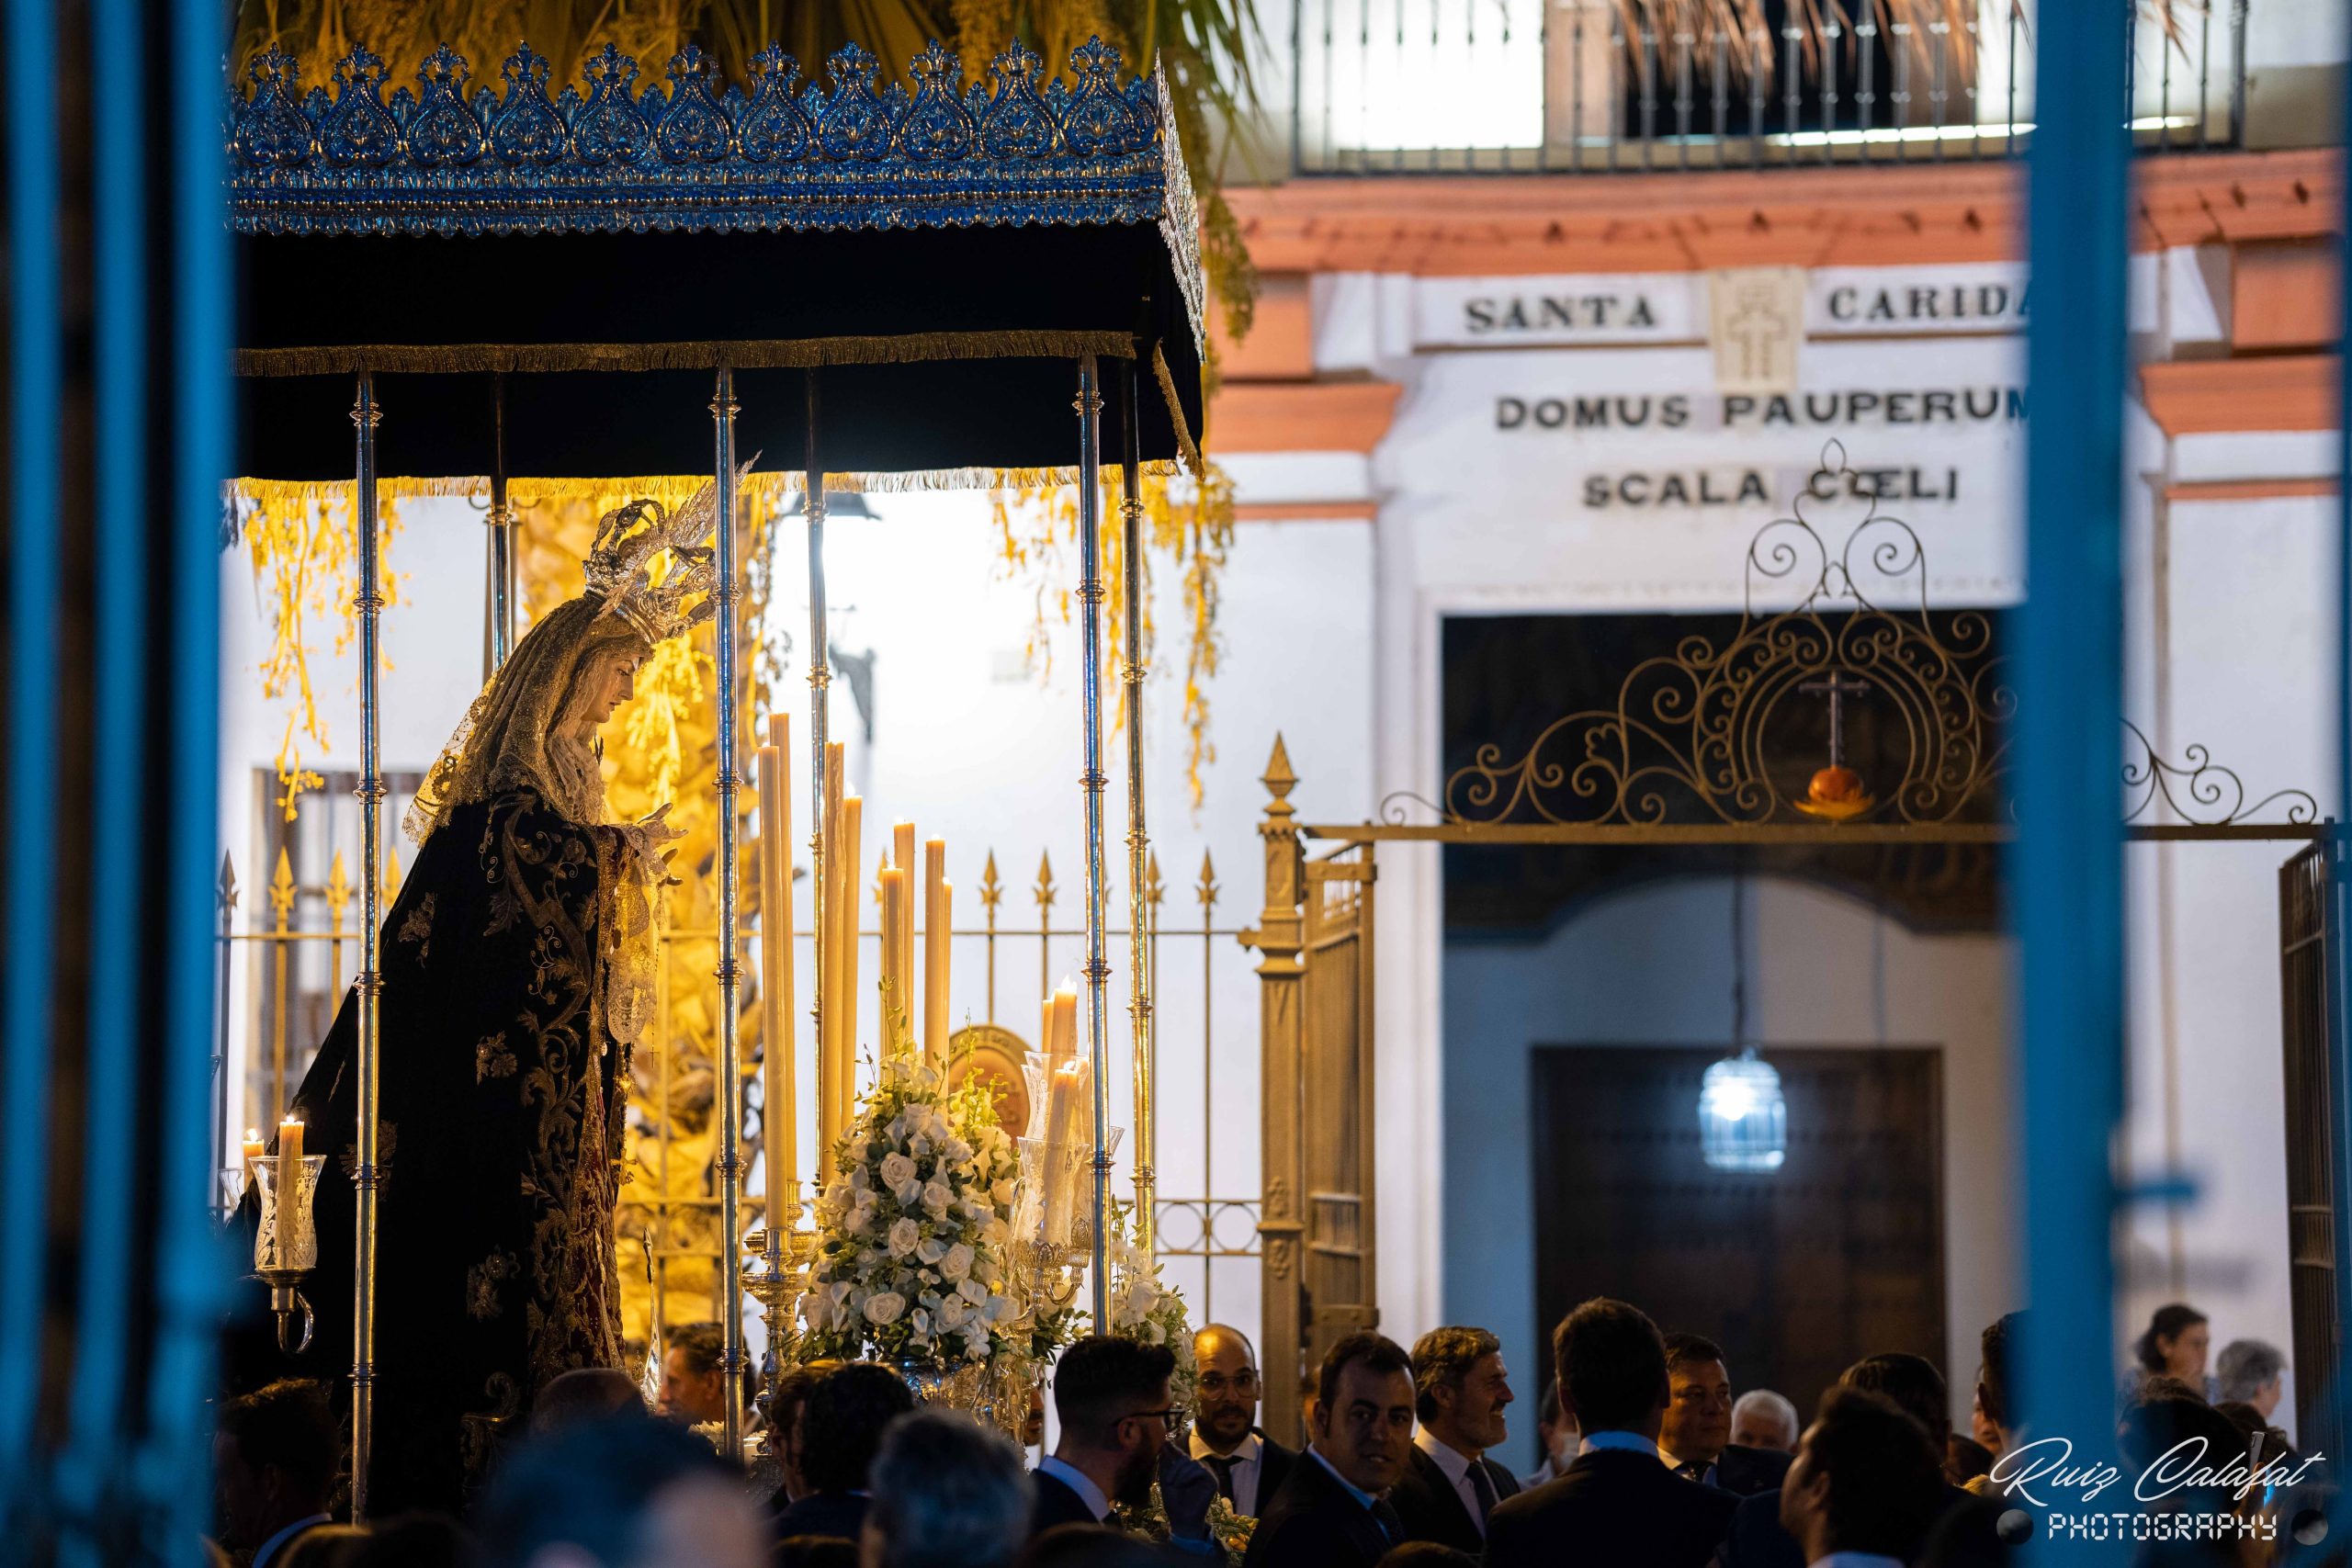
x: 517, y: 971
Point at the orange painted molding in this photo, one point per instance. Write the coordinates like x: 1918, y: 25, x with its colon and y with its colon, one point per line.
x: 1516, y: 225
x: 1281, y: 344
x: 2199, y: 397
x: 2247, y: 489
x: 1305, y: 511
x: 1301, y: 416
x: 2283, y: 295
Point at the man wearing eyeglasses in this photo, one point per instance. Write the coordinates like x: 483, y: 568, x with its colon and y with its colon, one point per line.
x: 1250, y: 1467
x: 1111, y: 1397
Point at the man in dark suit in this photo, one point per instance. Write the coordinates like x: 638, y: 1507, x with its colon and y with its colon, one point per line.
x: 275, y: 1454
x: 1913, y: 1384
x: 1333, y: 1512
x: 1866, y: 1485
x: 1450, y: 1487
x: 1250, y: 1466
x: 1617, y: 1504
x: 1112, y: 1396
x: 841, y: 1430
x: 1696, y: 1439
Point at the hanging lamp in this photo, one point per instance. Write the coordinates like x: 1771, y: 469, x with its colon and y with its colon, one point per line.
x: 1743, y: 1117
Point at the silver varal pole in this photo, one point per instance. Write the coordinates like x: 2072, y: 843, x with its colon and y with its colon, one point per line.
x: 820, y: 679
x: 1147, y: 1063
x: 1098, y: 967
x: 498, y: 590
x: 730, y: 1081
x: 369, y: 603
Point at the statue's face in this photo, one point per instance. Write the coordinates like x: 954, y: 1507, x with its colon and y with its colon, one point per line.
x: 609, y: 681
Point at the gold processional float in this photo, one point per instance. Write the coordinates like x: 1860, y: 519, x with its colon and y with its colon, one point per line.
x: 907, y: 289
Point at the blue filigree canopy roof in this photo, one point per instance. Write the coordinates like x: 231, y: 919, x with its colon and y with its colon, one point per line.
x: 683, y: 224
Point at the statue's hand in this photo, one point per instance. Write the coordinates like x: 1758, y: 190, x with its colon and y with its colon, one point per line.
x: 657, y: 839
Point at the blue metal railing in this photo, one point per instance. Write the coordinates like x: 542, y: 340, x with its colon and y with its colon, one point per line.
x: 1534, y: 86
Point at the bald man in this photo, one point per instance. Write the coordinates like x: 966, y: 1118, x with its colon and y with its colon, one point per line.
x: 1249, y: 1465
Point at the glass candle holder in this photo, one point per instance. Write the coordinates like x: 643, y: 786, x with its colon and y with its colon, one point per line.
x: 287, y: 1242
x: 232, y: 1186
x: 1078, y: 1172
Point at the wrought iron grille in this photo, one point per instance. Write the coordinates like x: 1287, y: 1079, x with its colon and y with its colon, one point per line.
x: 1444, y: 86
x: 1207, y: 1243
x: 294, y: 941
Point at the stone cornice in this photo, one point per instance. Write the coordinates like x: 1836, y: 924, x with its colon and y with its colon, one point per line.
x: 1458, y: 226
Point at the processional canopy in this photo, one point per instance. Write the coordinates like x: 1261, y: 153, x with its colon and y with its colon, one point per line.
x: 942, y: 253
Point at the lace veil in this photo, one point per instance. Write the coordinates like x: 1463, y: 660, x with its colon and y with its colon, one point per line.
x: 523, y: 731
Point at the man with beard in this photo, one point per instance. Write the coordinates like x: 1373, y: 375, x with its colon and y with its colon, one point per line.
x: 1450, y: 1485
x: 1112, y: 1396
x: 1250, y: 1466
x: 1334, y: 1512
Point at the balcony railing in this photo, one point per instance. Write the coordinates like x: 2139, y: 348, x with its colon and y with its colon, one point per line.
x: 1499, y: 87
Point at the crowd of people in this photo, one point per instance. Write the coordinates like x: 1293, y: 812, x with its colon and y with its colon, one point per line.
x: 1646, y: 1458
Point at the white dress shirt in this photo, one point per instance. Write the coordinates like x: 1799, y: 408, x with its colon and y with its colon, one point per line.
x: 268, y: 1549
x: 1079, y: 1481
x: 1550, y: 1469
x: 1632, y: 1443
x: 1246, y: 1461
x: 1455, y: 1468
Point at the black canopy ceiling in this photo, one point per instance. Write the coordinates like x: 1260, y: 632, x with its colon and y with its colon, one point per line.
x: 940, y: 257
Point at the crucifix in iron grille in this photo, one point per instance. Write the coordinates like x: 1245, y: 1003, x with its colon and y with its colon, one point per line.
x: 1836, y: 687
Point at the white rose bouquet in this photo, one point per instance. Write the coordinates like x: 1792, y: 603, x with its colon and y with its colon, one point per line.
x: 912, y: 1229
x: 1144, y: 1307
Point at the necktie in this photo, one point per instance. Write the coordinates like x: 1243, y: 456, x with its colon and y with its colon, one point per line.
x: 1483, y: 1486
x: 1386, y: 1517
x: 1221, y: 1466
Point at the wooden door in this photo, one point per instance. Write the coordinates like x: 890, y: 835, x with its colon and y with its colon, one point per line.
x: 1797, y: 1272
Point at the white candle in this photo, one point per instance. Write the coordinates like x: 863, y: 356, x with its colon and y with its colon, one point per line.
x: 828, y: 915
x: 1067, y: 1094
x: 1064, y: 1046
x: 289, y: 1189
x: 775, y: 970
x: 894, y: 977
x: 938, y: 935
x: 845, y: 937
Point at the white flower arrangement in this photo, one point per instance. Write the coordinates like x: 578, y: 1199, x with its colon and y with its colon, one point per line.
x: 912, y: 1229
x: 1144, y: 1307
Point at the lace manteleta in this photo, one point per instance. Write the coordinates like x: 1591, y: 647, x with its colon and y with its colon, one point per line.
x: 632, y: 868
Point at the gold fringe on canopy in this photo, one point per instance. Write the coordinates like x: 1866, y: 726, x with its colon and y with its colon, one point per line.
x: 776, y: 486
x: 1186, y: 447
x: 298, y: 539
x: 739, y: 354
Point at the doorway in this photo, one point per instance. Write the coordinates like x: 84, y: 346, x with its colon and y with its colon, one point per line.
x: 1798, y: 1272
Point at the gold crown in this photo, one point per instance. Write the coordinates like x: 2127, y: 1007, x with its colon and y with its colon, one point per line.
x: 628, y: 537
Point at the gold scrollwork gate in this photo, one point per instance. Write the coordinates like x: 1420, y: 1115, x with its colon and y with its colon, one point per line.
x: 1700, y: 747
